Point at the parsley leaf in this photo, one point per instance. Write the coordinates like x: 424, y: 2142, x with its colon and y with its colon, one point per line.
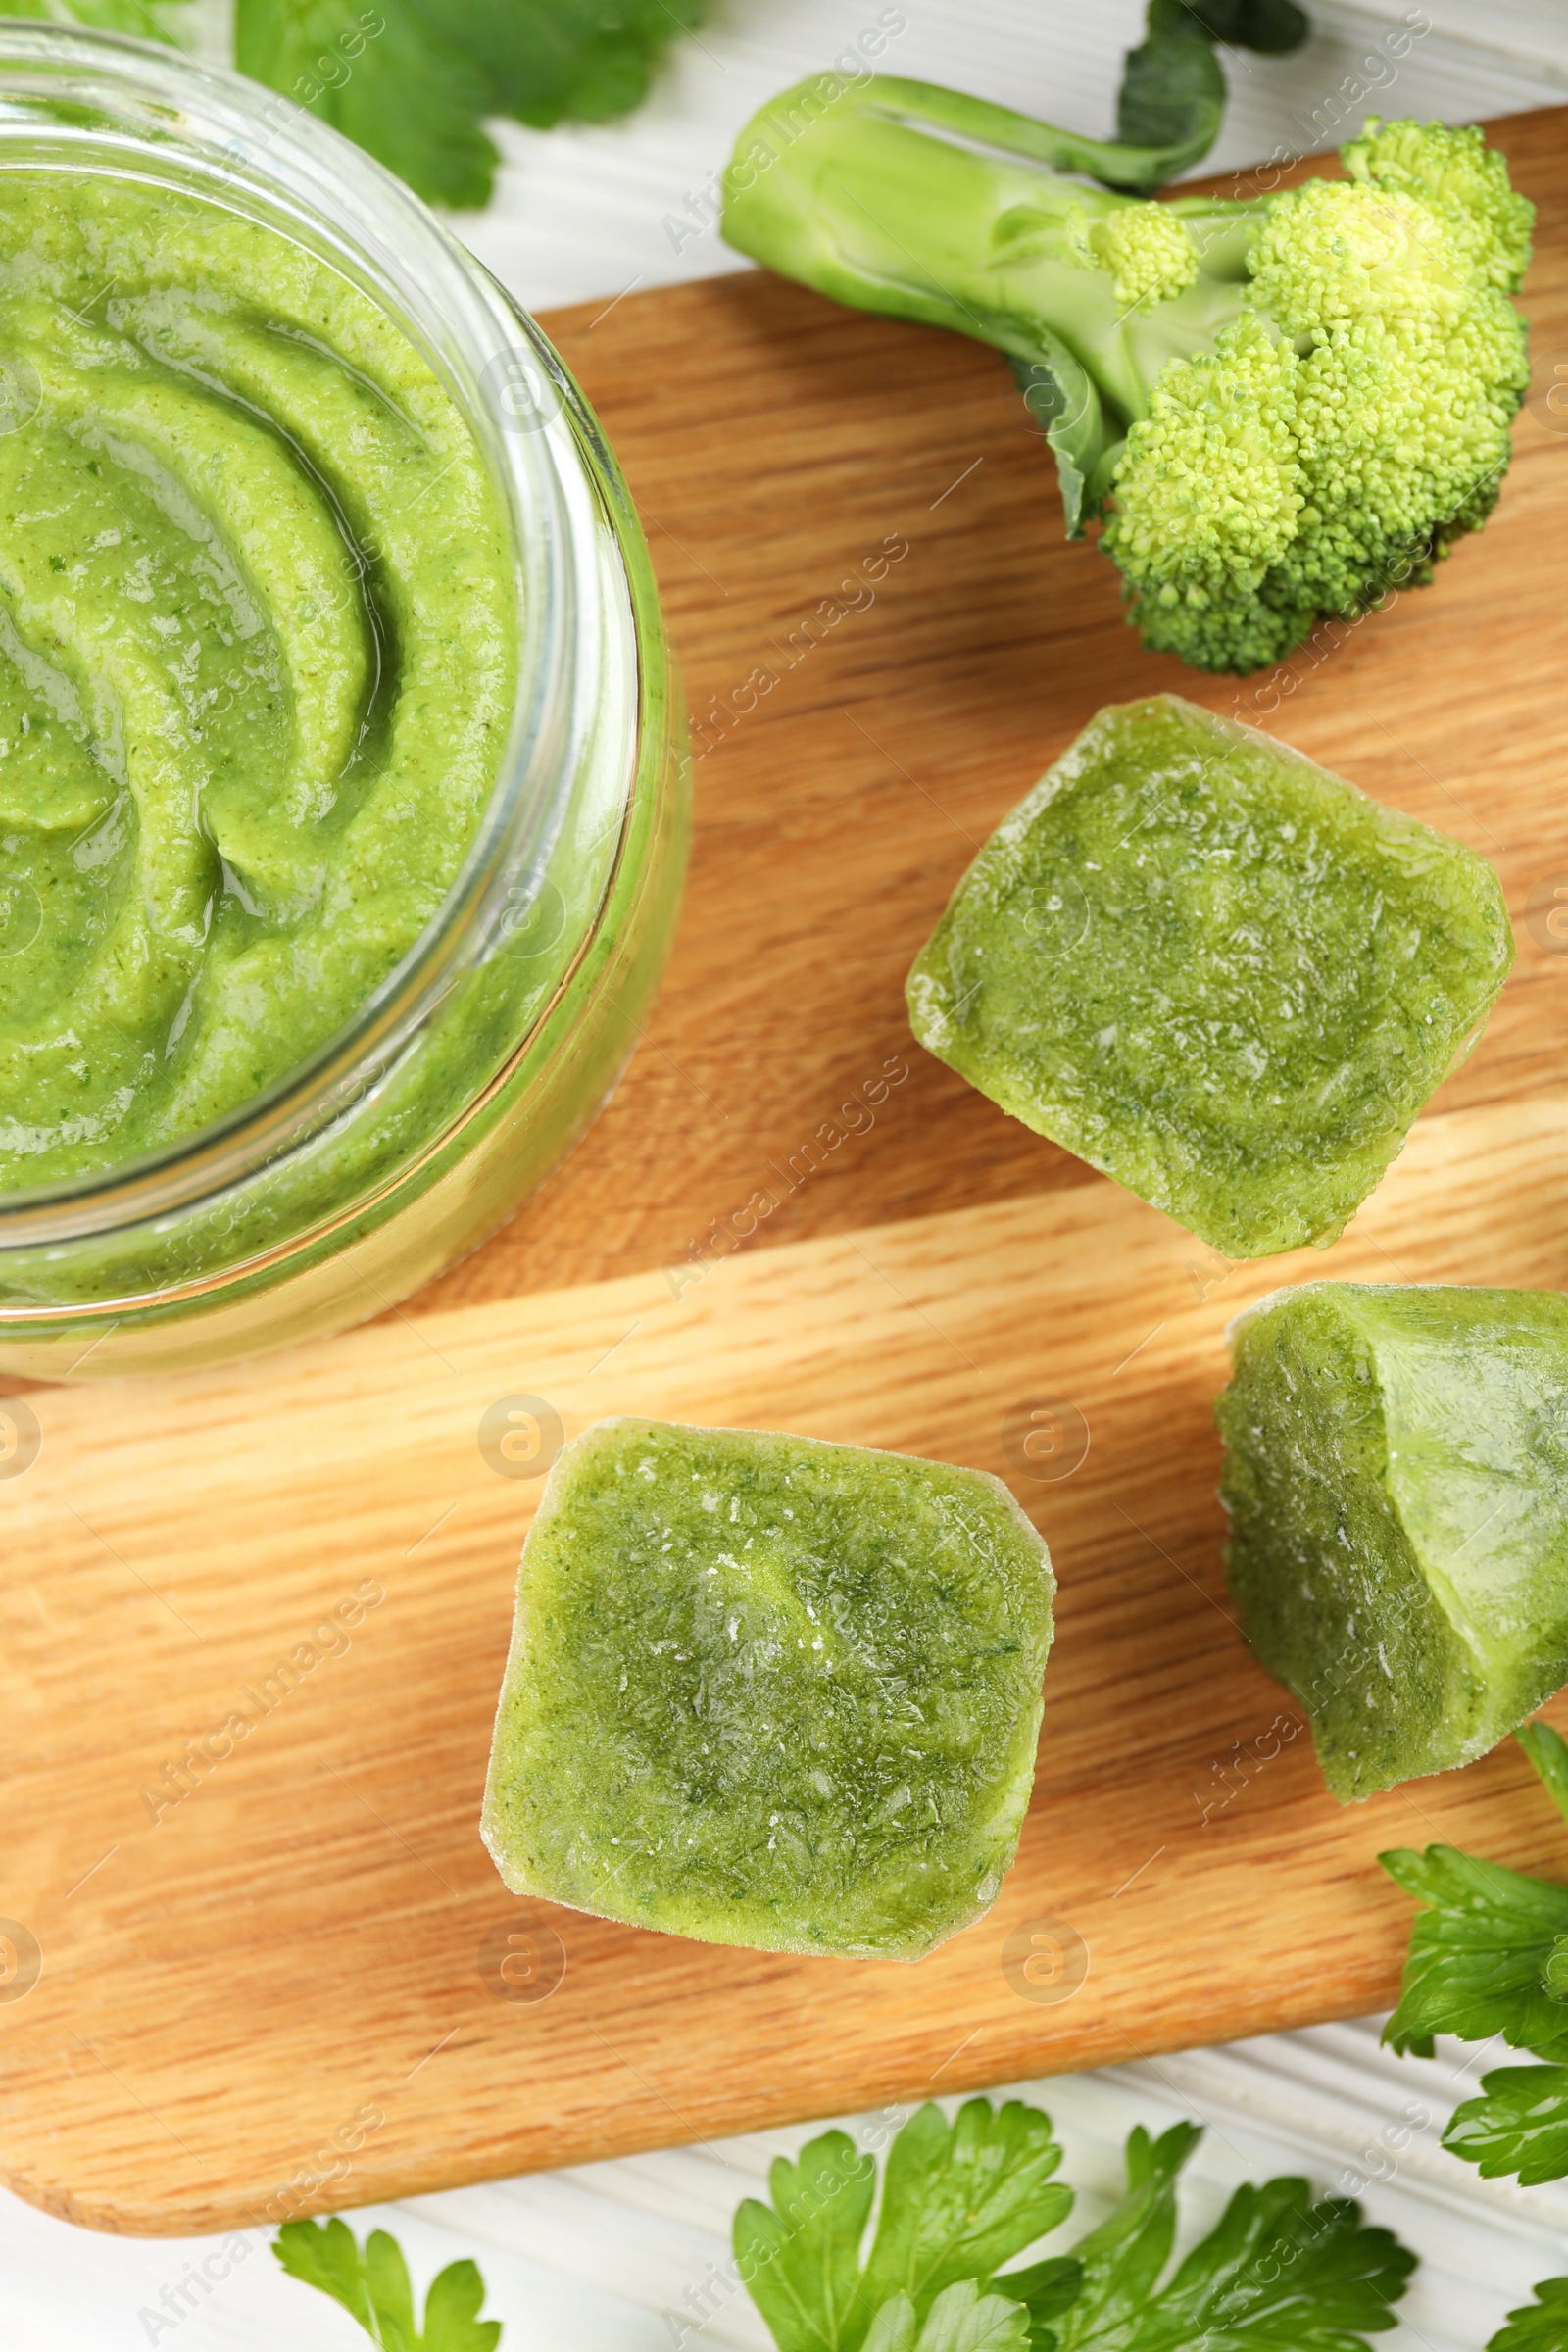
x: 373, y: 2286
x: 960, y: 2198
x: 1548, y: 1753
x: 1489, y: 1958
x: 1478, y: 1955
x: 1541, y: 2327
x: 1046, y: 2290
x: 383, y: 77
x: 957, y: 2199
x: 960, y: 2320
x: 1278, y: 2273
x: 1123, y: 2258
x: 149, y: 19
x: 1518, y: 2124
x: 410, y: 81
x: 801, y: 2256
x: 547, y: 59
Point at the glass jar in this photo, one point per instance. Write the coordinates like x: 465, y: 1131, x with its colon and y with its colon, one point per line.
x: 478, y: 1063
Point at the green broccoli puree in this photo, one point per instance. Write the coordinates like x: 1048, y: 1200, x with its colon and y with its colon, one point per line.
x: 257, y: 661
x: 769, y: 1691
x: 1397, y: 1478
x: 1215, y: 971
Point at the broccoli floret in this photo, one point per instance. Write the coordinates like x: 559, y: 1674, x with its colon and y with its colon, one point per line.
x: 1149, y: 253
x: 1281, y: 408
x: 1459, y: 177
x: 1349, y: 425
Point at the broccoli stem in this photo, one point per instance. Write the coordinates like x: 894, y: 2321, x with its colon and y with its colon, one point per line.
x: 923, y: 202
x: 1118, y: 164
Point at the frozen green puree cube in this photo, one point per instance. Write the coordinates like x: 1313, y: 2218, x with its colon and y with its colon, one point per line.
x: 1397, y: 1478
x: 769, y: 1690
x: 1213, y: 971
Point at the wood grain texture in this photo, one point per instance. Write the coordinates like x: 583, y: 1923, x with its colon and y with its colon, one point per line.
x: 307, y: 1938
x: 772, y: 442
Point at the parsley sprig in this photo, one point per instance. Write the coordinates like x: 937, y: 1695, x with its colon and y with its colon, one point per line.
x: 1489, y: 1961
x: 372, y: 2284
x: 413, y: 80
x: 1541, y: 2327
x: 1280, y: 2273
x: 959, y: 2200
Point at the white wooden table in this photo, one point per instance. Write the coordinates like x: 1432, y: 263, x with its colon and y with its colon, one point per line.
x: 622, y: 2256
x: 629, y: 2256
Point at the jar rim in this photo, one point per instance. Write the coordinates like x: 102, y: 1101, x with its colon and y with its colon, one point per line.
x: 135, y: 108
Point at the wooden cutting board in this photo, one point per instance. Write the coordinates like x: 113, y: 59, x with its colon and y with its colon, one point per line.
x: 299, y: 1985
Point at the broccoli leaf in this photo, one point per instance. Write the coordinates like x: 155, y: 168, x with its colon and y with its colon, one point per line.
x: 1062, y: 397
x: 1172, y: 95
x: 1478, y: 1955
x: 957, y: 2199
x: 1539, y: 2327
x: 410, y: 81
x: 1273, y: 28
x: 1173, y: 87
x: 1518, y: 2124
x: 960, y: 2198
x: 373, y: 2286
